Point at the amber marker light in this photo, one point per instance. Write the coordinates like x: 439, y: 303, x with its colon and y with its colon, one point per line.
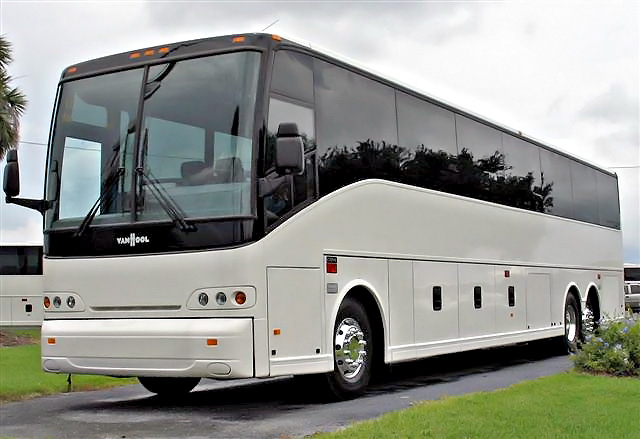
x: 135, y: 55
x: 47, y: 302
x: 240, y: 298
x: 276, y: 37
x: 163, y: 50
x: 148, y: 52
x: 276, y: 331
x: 238, y: 39
x: 212, y: 342
x: 72, y: 69
x: 51, y: 340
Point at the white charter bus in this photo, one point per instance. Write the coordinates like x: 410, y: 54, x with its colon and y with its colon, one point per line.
x: 21, y: 285
x: 245, y: 206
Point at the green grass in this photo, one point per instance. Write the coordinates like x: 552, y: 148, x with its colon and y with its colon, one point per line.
x: 569, y: 405
x: 22, y: 377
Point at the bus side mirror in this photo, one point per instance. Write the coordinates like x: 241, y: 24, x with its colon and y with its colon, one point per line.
x: 289, y: 150
x: 11, y: 183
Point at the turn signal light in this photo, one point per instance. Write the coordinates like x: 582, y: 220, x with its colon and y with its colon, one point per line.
x: 240, y: 298
x: 47, y: 302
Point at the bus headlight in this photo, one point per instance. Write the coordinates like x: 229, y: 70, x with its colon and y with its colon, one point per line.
x: 57, y: 301
x: 71, y: 301
x: 203, y: 299
x: 221, y: 298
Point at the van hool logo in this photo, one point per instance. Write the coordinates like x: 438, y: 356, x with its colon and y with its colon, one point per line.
x: 132, y: 240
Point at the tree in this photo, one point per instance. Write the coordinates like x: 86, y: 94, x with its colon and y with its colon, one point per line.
x: 12, y: 102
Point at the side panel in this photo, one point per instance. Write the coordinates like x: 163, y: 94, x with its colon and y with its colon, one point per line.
x: 538, y: 300
x: 476, y: 317
x: 401, y: 311
x: 433, y: 325
x: 295, y: 319
x: 510, y: 316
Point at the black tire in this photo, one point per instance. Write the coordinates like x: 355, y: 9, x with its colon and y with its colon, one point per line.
x: 353, y: 351
x: 166, y: 386
x: 572, y: 324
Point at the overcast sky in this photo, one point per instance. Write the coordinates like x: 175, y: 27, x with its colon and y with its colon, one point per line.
x: 566, y: 73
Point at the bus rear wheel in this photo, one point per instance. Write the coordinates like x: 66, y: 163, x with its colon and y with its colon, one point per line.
x: 168, y: 386
x: 352, y: 353
x: 571, y: 324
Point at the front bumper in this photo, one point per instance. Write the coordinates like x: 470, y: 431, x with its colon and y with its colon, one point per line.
x: 150, y: 347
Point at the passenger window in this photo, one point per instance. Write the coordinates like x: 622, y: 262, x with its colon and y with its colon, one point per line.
x: 583, y: 184
x: 556, y: 172
x: 522, y: 185
x: 422, y: 124
x: 480, y: 162
x: 293, y: 75
x: 357, y: 130
x: 608, y: 204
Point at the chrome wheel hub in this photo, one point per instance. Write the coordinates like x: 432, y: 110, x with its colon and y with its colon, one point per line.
x: 351, y: 349
x: 570, y: 324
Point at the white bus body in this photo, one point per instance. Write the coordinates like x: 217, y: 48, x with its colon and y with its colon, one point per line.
x: 462, y: 243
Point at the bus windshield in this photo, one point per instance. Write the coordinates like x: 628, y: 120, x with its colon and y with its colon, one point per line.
x: 177, y: 131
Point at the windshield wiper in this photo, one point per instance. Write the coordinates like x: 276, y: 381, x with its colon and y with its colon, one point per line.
x: 167, y: 203
x: 111, y: 181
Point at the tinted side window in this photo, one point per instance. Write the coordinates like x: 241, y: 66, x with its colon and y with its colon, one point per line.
x: 482, y: 141
x: 293, y: 75
x: 523, y: 185
x: 21, y: 260
x: 421, y: 123
x: 585, y: 199
x: 556, y: 172
x: 427, y: 136
x: 480, y: 161
x: 356, y: 128
x: 608, y: 204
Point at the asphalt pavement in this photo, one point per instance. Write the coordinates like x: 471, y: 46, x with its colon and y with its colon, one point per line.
x: 273, y: 408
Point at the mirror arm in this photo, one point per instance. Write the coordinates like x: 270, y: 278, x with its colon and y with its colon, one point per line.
x: 40, y: 205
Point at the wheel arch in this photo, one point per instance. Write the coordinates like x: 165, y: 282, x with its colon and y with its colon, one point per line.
x: 572, y: 289
x: 366, y: 295
x: 593, y: 297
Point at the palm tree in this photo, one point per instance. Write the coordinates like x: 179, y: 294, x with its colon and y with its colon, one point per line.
x: 12, y: 103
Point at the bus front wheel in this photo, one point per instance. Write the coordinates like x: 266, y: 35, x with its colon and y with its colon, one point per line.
x: 352, y: 351
x: 166, y: 386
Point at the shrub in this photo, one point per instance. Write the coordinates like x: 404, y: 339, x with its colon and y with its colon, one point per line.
x: 614, y: 349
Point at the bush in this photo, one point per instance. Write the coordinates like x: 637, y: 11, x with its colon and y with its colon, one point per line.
x: 614, y: 349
